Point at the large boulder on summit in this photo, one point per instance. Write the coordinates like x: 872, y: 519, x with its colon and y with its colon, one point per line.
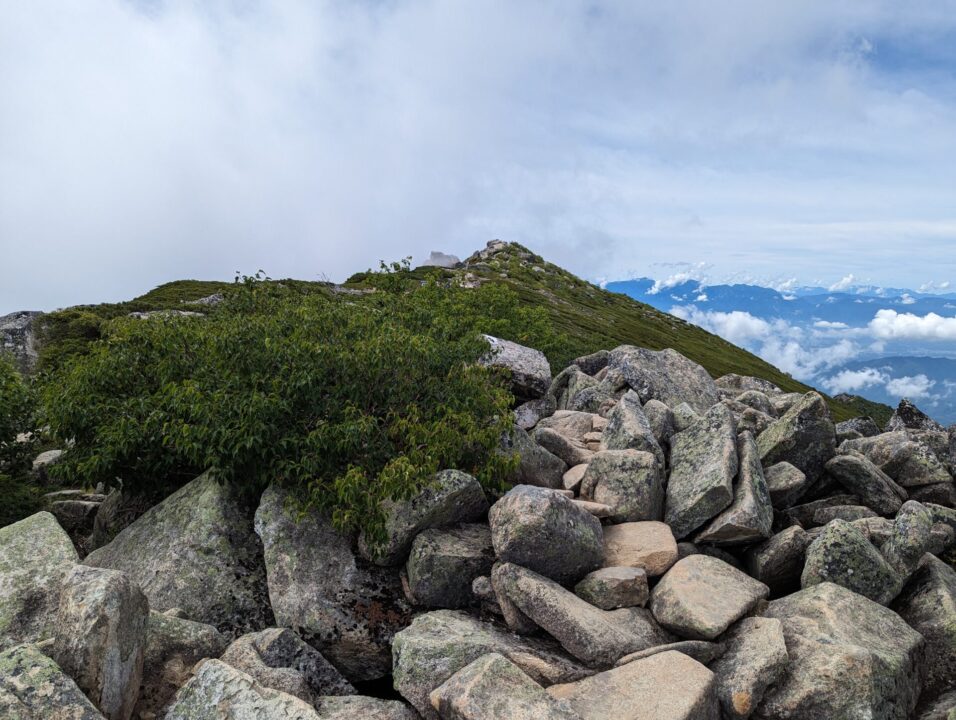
x: 33, y: 687
x: 750, y: 517
x: 666, y: 375
x: 452, y: 497
x: 628, y: 481
x: 849, y: 658
x: 667, y: 685
x: 196, y: 551
x: 529, y: 369
x: 544, y: 531
x: 444, y: 562
x: 909, y: 417
x: 804, y: 437
x: 862, y: 478
x: 347, y: 608
x: 595, y: 637
x: 101, y: 637
x: 701, y: 596
x: 909, y: 463
x: 35, y: 556
x: 703, y: 466
x: 440, y: 643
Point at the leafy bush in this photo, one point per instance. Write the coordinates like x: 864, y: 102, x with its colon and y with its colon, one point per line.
x: 348, y: 400
x: 17, y: 407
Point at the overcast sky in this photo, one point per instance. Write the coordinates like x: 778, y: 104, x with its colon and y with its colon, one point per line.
x: 148, y: 141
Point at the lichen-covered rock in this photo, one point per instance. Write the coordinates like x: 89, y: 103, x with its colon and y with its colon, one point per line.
x: 629, y: 429
x: 33, y: 687
x: 857, y: 427
x: 628, y: 481
x: 596, y: 637
x: 529, y: 368
x: 743, y: 383
x: 18, y: 338
x: 804, y: 437
x: 440, y: 643
x: 196, y: 551
x: 843, y: 555
x: 865, y: 480
x: 530, y: 413
x: 661, y: 419
x: 909, y: 417
x: 755, y: 658
x: 611, y: 588
x: 649, y: 545
x: 778, y: 562
x: 666, y: 375
x: 937, y: 493
x: 665, y: 685
x: 785, y: 483
x: 803, y: 514
x: 35, y: 556
x: 353, y: 707
x: 702, y: 651
x: 928, y: 604
x: 544, y: 531
x: 703, y: 466
x: 277, y: 658
x: 173, y: 647
x: 536, y: 466
x: 593, y: 364
x: 907, y: 462
x: 909, y: 540
x: 101, y: 637
x: 452, y: 497
x: 345, y: 607
x: 571, y: 450
x: 849, y: 658
x: 750, y: 516
x: 684, y: 417
x: 494, y: 688
x: 701, y: 596
x: 842, y: 512
x: 444, y: 562
x: 941, y: 708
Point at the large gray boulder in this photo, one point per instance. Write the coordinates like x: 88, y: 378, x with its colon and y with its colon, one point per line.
x: 611, y: 588
x: 703, y: 466
x: 648, y: 545
x: 101, y: 637
x: 666, y: 375
x: 864, y: 479
x: 444, y: 562
x: 778, y: 562
x: 755, y: 658
x: 909, y: 463
x: 667, y: 685
x: 804, y: 437
x: 528, y: 368
x: 546, y: 532
x: 33, y: 687
x: 598, y: 638
x: 196, y: 551
x: 909, y: 417
x: 750, y: 517
x: 440, y: 643
x: 628, y: 428
x: 909, y: 539
x: 18, y: 338
x: 738, y: 384
x: 849, y: 658
x: 785, y: 483
x: 701, y: 596
x: 536, y: 466
x: 347, y: 608
x: 452, y: 497
x: 35, y: 556
x: 628, y: 481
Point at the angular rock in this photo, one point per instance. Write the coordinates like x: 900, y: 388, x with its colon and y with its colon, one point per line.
x: 941, y: 708
x: 629, y: 481
x: 928, y: 605
x: 803, y: 514
x: 778, y: 562
x: 700, y: 597
x: 348, y: 609
x: 572, y: 424
x: 909, y: 463
x: 665, y: 685
x: 703, y: 466
x: 742, y: 383
x: 595, y: 399
x: 629, y: 429
x: 528, y: 368
x: 167, y: 553
x: 536, y: 465
x: 75, y: 516
x: 755, y: 658
x: 804, y: 437
x: 750, y: 517
x: 842, y: 512
x: 596, y: 637
x: 702, y: 651
x: 849, y: 658
x: 843, y: 555
x: 571, y: 450
x: 101, y: 637
x: 863, y: 426
x: 572, y: 478
x: 595, y: 362
x: 909, y: 540
x: 545, y: 532
x: 909, y: 417
x: 440, y: 643
x: 444, y: 562
x: 277, y: 658
x: 33, y: 687
x: 529, y: 414
x: 666, y: 375
x: 757, y: 400
x: 614, y: 587
x: 35, y: 556
x: 352, y: 707
x: 785, y: 483
x: 453, y: 497
x: 783, y: 403
x: 864, y: 479
x: 661, y: 420
x: 937, y: 493
x: 752, y: 421
x: 648, y: 545
x: 684, y: 417
x: 494, y: 688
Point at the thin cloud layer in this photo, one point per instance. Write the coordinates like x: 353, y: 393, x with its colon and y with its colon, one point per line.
x: 159, y: 139
x: 889, y: 324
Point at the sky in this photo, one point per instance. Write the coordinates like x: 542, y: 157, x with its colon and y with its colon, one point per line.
x: 149, y: 140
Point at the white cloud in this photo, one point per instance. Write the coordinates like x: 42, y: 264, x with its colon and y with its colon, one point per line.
x: 830, y: 325
x: 738, y: 327
x: 843, y: 284
x: 852, y: 381
x: 701, y: 298
x: 913, y: 387
x: 890, y: 325
x: 695, y: 272
x: 933, y: 286
x: 907, y: 299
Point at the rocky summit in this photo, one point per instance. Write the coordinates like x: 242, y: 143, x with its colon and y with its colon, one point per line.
x: 673, y: 547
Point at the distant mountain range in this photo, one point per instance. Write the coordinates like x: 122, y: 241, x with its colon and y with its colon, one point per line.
x: 881, y: 343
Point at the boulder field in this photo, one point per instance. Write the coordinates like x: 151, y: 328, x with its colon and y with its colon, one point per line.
x: 672, y: 547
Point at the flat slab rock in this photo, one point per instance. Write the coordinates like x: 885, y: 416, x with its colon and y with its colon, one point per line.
x: 665, y: 685
x: 649, y: 545
x: 701, y: 596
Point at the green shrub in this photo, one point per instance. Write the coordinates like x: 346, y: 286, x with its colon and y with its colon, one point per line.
x: 17, y: 409
x: 350, y: 401
x: 20, y: 499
